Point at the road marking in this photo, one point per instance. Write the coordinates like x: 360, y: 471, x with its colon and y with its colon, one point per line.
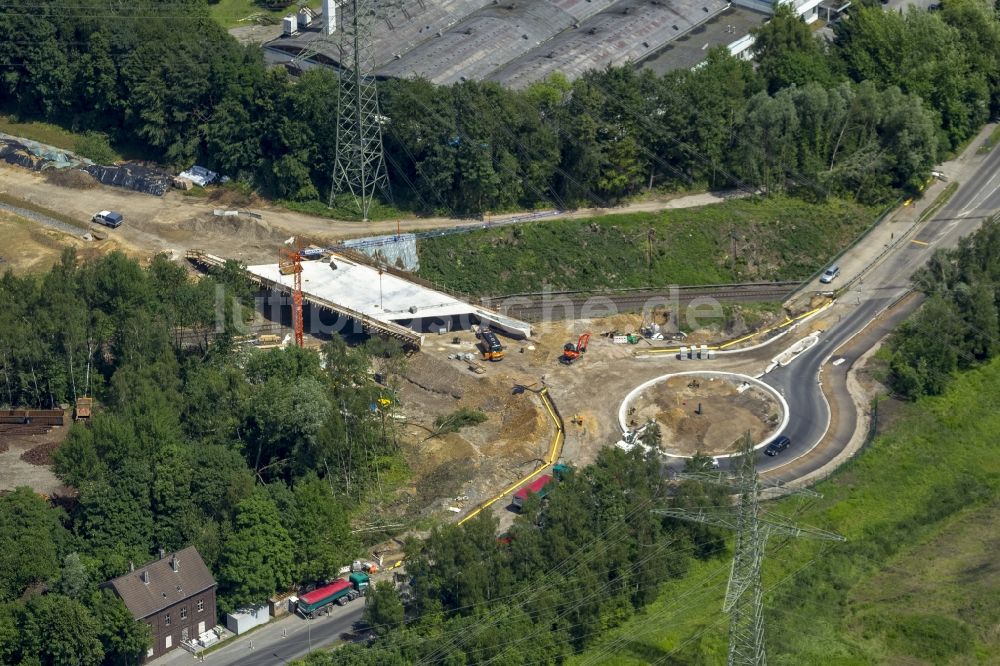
x: 919, y: 242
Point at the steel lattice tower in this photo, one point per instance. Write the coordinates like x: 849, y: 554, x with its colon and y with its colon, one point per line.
x: 359, y: 166
x: 744, y: 600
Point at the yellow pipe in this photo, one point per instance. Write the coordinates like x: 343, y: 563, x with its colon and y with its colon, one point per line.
x: 555, y: 450
x: 788, y: 320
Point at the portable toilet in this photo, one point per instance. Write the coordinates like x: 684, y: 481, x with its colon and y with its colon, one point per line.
x: 703, y: 355
x: 684, y: 354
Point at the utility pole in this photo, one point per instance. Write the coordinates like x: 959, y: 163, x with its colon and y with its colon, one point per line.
x: 359, y: 164
x: 744, y: 600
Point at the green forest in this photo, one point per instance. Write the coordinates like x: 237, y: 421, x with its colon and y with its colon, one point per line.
x: 240, y: 452
x: 958, y: 327
x: 863, y: 117
x: 234, y: 450
x: 552, y: 584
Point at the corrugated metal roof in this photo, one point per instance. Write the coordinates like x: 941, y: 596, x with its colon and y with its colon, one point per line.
x: 157, y: 586
x: 513, y: 42
x: 627, y: 32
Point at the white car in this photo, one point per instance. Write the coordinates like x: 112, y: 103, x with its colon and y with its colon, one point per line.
x: 829, y: 274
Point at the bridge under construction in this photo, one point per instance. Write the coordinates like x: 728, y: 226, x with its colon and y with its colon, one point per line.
x: 381, y: 301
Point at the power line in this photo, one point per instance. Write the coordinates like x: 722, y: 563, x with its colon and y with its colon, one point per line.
x: 744, y: 596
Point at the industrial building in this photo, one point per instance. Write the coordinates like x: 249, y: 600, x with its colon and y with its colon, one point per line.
x: 519, y: 42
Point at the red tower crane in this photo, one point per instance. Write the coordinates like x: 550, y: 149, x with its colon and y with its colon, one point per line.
x: 290, y: 263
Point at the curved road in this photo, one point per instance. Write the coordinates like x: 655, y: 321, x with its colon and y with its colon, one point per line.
x: 885, y: 284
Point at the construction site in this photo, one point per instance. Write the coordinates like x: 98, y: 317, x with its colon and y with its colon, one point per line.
x: 549, y: 391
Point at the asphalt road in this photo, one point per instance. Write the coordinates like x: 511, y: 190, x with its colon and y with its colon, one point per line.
x: 882, y: 286
x: 279, y: 642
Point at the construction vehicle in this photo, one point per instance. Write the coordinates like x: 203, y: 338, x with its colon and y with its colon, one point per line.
x: 84, y: 408
x: 572, y: 352
x: 340, y: 592
x: 491, y: 347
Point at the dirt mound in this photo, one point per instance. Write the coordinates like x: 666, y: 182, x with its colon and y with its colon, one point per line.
x: 72, y: 178
x: 41, y: 454
x: 225, y: 196
x: 709, y: 415
x: 245, y: 228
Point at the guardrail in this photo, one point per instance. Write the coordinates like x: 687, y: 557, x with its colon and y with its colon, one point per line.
x: 854, y: 243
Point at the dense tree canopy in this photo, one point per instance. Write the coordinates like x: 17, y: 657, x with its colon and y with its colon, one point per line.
x: 959, y: 324
x: 194, y: 440
x: 581, y: 561
x: 161, y: 76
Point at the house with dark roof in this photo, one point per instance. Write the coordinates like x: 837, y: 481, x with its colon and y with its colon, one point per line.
x: 174, y: 595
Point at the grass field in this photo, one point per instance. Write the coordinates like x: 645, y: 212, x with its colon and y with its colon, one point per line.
x: 48, y: 133
x: 740, y: 240
x: 918, y: 581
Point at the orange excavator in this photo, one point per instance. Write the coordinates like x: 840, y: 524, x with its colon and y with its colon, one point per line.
x: 572, y: 352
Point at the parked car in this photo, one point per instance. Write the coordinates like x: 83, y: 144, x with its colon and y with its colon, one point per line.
x: 109, y: 218
x: 777, y: 446
x: 934, y: 7
x: 829, y: 274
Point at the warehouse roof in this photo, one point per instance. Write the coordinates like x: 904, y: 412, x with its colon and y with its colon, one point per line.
x: 403, y: 27
x: 690, y: 49
x: 514, y: 42
x: 483, y: 42
x: 627, y: 32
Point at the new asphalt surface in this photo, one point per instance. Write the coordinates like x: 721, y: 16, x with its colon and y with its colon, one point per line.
x: 880, y: 288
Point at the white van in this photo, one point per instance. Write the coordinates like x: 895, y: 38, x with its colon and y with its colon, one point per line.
x: 829, y: 274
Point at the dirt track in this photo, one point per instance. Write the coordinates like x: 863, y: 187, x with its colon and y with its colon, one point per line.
x: 177, y: 222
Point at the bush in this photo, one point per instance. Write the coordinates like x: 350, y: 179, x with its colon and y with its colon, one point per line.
x: 95, y: 146
x: 458, y: 419
x: 930, y: 637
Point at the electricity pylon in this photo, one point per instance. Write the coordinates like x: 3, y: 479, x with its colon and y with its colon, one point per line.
x: 359, y: 164
x: 745, y: 593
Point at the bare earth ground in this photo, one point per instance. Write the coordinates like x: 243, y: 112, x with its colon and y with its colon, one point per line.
x: 726, y: 414
x: 474, y: 463
x: 176, y: 222
x: 15, y: 471
x: 28, y: 246
x: 477, y: 460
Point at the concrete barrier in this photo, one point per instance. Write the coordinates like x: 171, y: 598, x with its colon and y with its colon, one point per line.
x: 735, y: 376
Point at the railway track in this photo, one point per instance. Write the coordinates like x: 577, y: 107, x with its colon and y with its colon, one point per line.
x: 570, y: 304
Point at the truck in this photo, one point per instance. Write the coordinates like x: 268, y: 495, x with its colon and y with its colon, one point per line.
x: 108, y: 218
x: 359, y: 580
x: 539, y: 486
x: 492, y: 349
x: 340, y: 592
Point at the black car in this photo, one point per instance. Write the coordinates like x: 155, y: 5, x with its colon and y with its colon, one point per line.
x: 777, y: 446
